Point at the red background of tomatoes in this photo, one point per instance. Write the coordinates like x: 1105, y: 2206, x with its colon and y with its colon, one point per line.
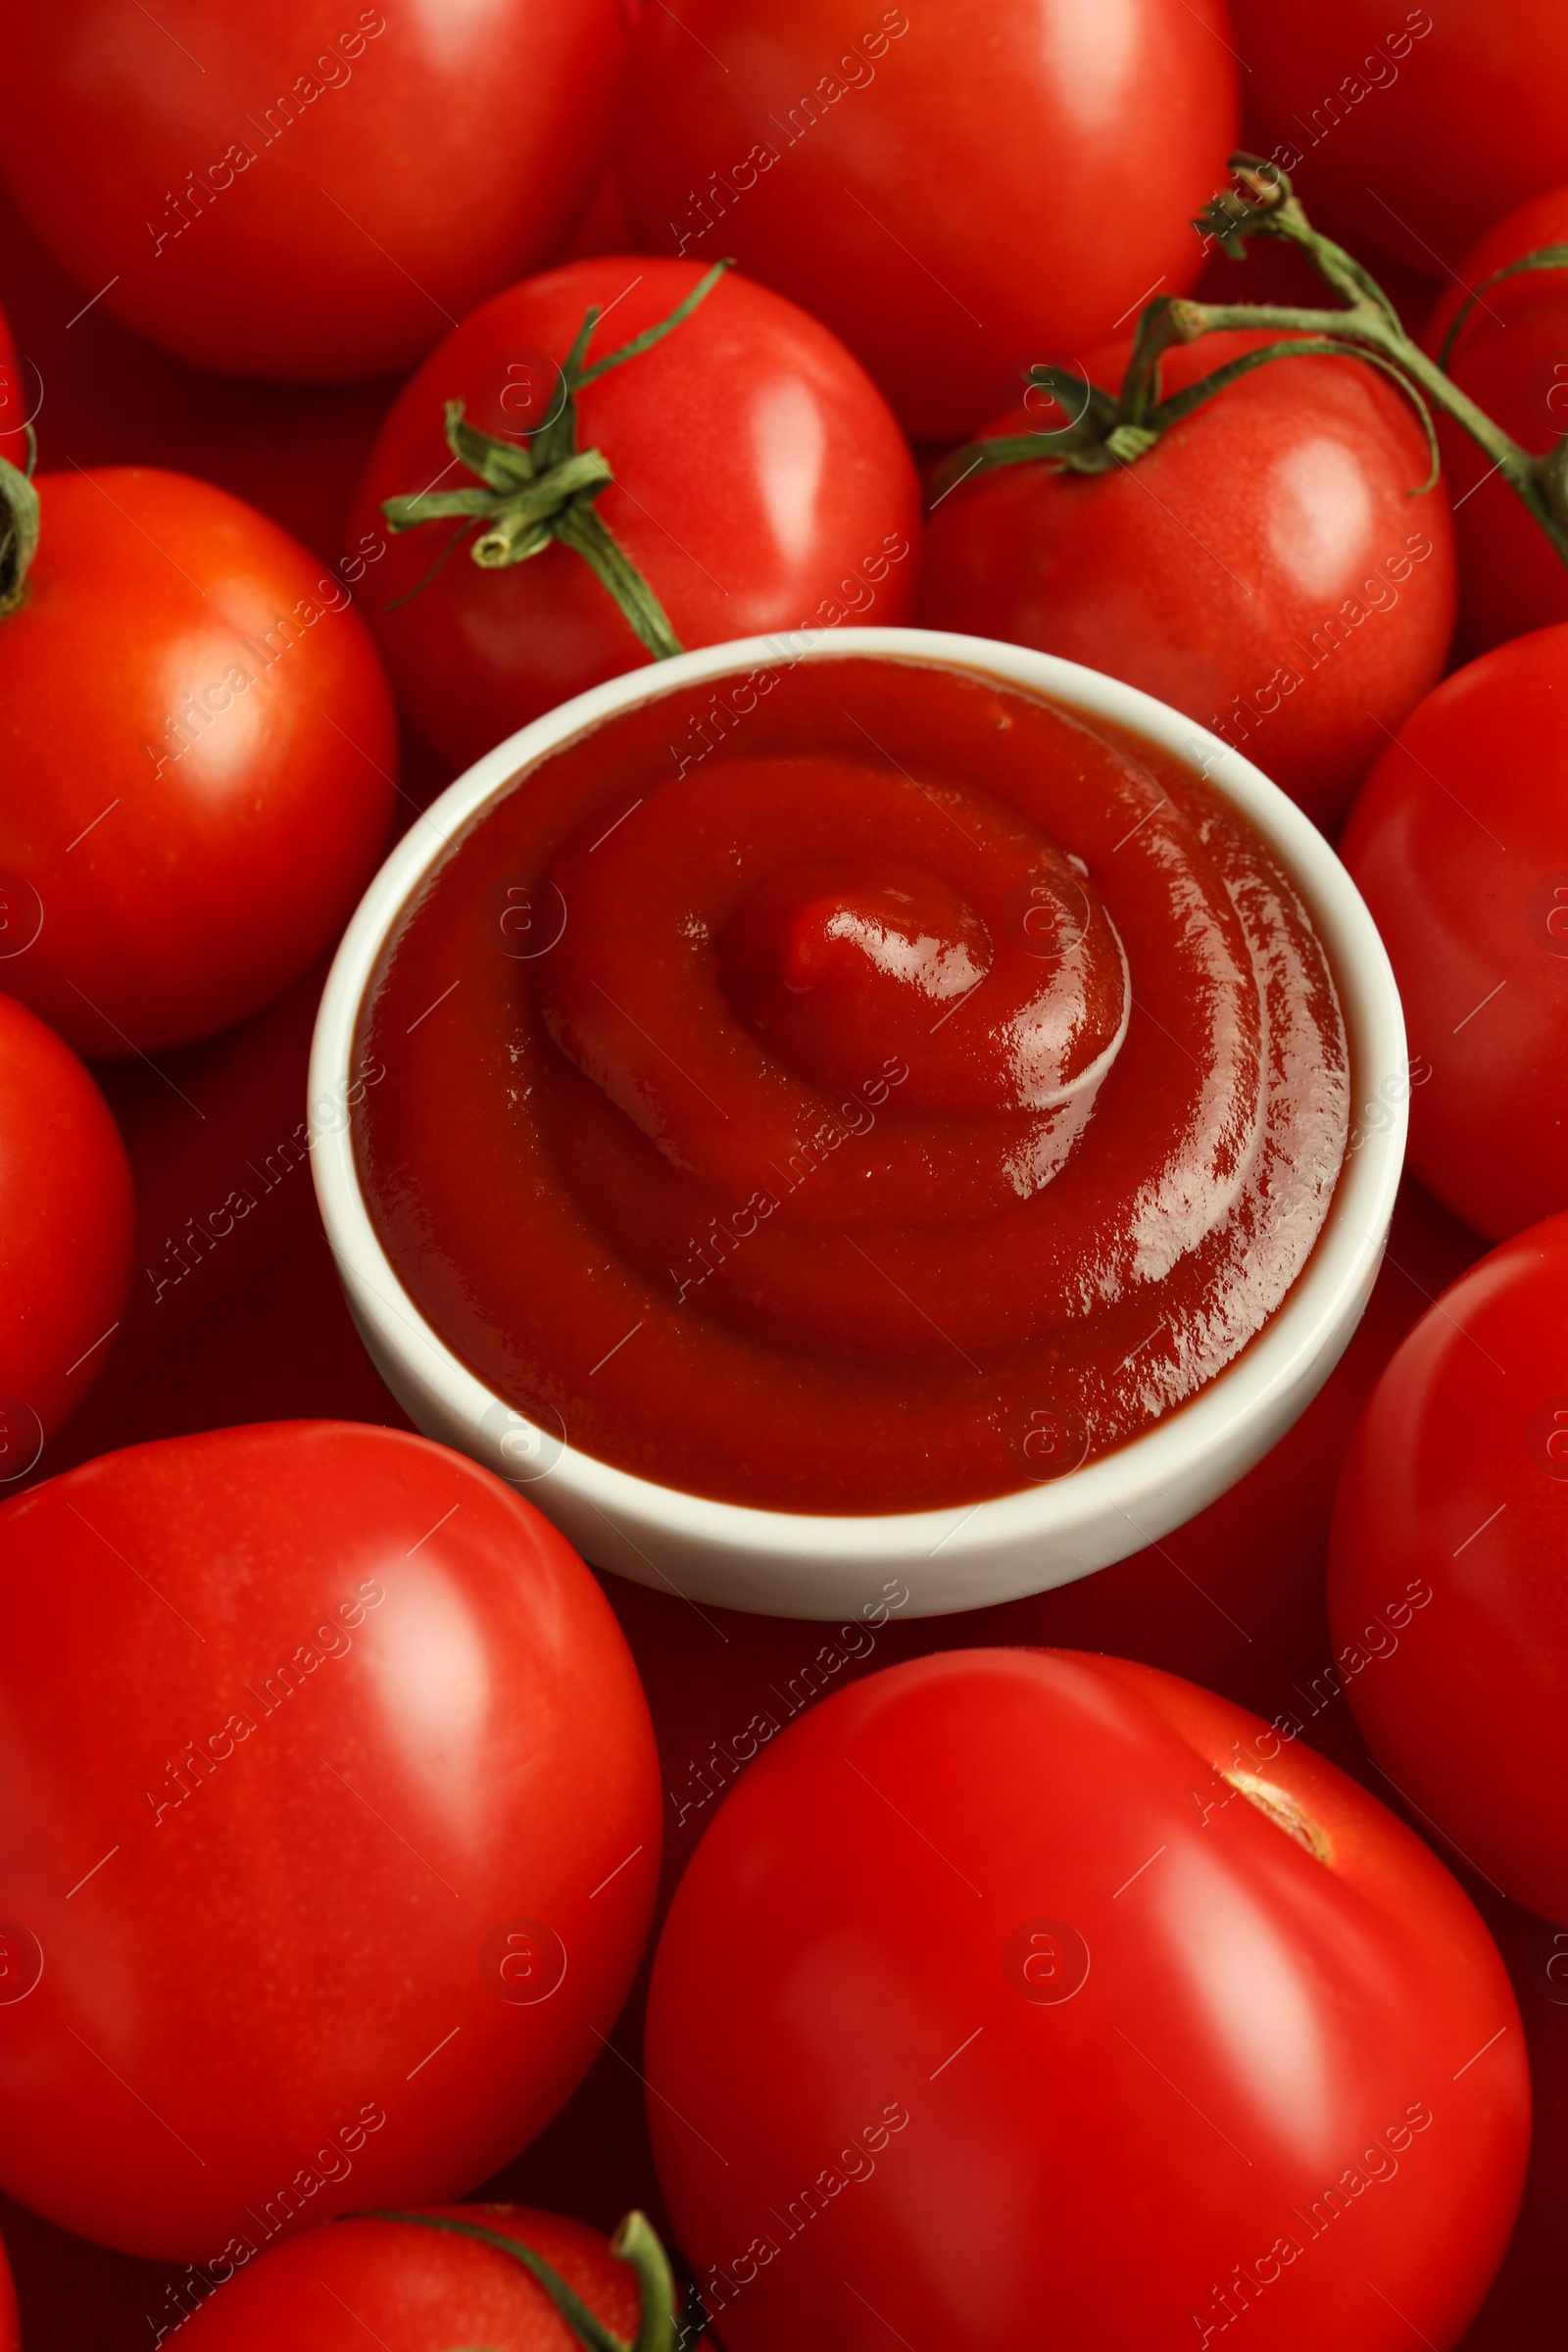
x: 257, y: 1330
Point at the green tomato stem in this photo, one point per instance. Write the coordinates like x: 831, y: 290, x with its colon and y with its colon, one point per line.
x: 635, y: 2242
x: 1120, y: 429
x: 544, y: 491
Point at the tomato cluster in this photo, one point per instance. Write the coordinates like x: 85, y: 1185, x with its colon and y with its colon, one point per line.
x: 378, y: 381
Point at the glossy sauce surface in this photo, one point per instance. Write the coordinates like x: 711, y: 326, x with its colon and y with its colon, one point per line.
x: 861, y: 1087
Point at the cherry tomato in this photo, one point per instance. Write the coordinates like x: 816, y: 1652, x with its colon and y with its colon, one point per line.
x: 1264, y: 567
x: 1511, y: 355
x: 66, y: 1215
x: 1459, y: 845
x: 1446, y: 1585
x: 313, y: 193
x: 332, y: 1830
x: 950, y: 193
x: 198, y: 742
x: 412, y: 2288
x: 1371, y: 107
x: 760, y: 482
x: 1027, y: 1997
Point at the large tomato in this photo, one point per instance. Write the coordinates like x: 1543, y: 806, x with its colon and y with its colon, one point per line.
x: 1459, y: 845
x: 1511, y: 355
x: 198, y: 746
x: 1446, y: 1580
x: 314, y: 191
x: 1408, y: 128
x: 1022, y: 1997
x: 66, y: 1215
x: 410, y: 2287
x: 1264, y: 567
x: 953, y: 190
x: 331, y: 1833
x: 760, y: 482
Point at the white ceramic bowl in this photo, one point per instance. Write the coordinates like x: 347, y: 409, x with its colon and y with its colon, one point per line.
x: 795, y: 1564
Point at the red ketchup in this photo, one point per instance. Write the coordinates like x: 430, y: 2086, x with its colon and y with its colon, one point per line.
x: 860, y: 1088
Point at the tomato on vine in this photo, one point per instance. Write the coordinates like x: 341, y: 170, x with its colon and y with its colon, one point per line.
x: 1039, y: 559
x: 1264, y: 566
x: 506, y: 2278
x: 719, y: 466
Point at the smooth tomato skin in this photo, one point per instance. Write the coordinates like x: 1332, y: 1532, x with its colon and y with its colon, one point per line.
x: 1456, y: 1483
x: 960, y: 202
x: 177, y: 889
x: 758, y: 475
x: 382, y: 200
x: 1511, y: 355
x: 417, y: 2290
x: 848, y: 1947
x: 1369, y: 108
x: 1260, y: 567
x: 1459, y: 845
x: 68, y: 1215
x: 311, y: 1938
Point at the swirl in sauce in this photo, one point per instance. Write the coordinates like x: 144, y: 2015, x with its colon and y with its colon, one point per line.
x: 918, y: 1095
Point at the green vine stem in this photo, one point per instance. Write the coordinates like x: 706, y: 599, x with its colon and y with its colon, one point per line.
x: 635, y: 2242
x: 18, y: 527
x: 1117, y: 429
x: 544, y: 490
x: 1544, y: 256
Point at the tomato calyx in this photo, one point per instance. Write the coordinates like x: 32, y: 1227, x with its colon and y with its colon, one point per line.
x: 636, y: 2242
x: 18, y: 527
x: 544, y: 489
x: 1107, y: 429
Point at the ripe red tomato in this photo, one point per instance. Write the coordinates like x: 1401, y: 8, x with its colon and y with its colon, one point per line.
x: 1370, y: 105
x: 67, y: 1217
x: 1511, y: 355
x: 1018, y: 1996
x: 1459, y: 845
x: 332, y: 1830
x: 760, y: 482
x: 199, y: 747
x: 1263, y: 568
x: 311, y: 192
x: 411, y: 2288
x: 951, y: 192
x: 1446, y: 1587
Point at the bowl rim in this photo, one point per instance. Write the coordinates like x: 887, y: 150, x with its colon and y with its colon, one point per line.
x: 1275, y: 1367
